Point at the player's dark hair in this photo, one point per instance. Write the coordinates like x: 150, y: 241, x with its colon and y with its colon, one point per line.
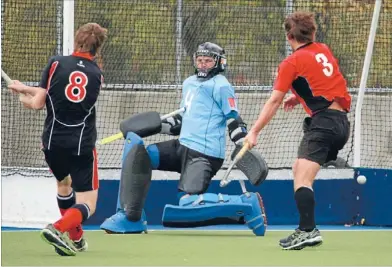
x: 300, y: 26
x: 90, y: 38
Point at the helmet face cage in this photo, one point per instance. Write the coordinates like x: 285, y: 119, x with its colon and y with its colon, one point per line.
x: 219, y: 58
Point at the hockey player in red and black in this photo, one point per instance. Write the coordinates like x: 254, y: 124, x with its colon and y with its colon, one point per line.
x: 69, y: 88
x: 312, y: 73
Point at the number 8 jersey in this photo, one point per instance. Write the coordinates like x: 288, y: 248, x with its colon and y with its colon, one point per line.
x: 313, y: 75
x: 72, y: 84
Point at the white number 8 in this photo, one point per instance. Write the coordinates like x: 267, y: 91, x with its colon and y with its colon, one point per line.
x: 328, y: 70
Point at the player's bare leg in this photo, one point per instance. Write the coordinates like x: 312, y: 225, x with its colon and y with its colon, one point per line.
x: 307, y: 234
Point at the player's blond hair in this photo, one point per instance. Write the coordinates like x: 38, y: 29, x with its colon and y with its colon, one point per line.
x: 301, y: 26
x: 90, y: 38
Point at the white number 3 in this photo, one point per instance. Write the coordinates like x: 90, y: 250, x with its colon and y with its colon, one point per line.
x: 328, y: 68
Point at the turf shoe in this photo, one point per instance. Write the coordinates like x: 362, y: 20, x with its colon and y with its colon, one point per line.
x: 58, y: 240
x: 79, y: 246
x: 301, y: 239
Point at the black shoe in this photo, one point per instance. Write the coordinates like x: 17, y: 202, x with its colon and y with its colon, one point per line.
x: 301, y: 239
x: 79, y: 246
x: 59, y: 240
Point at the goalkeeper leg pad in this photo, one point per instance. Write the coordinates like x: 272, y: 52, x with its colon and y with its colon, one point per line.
x: 213, y: 209
x: 135, y: 182
x: 257, y: 220
x: 134, y: 185
x: 206, y: 209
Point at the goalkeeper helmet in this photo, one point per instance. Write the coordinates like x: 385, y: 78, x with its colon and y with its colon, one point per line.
x: 210, y: 50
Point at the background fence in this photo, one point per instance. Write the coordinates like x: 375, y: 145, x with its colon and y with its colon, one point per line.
x: 148, y: 54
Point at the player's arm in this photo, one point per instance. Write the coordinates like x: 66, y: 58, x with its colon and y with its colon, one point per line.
x: 228, y: 103
x: 30, y: 97
x: 286, y: 75
x: 237, y: 129
x: 269, y: 110
x: 33, y: 97
x: 290, y: 102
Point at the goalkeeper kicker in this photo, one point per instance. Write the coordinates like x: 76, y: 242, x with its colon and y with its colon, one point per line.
x: 210, y: 106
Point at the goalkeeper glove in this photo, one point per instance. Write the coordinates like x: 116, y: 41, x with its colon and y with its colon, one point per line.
x: 172, y: 125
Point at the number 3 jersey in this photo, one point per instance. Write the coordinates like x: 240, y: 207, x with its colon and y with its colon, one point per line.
x: 73, y: 84
x: 313, y: 75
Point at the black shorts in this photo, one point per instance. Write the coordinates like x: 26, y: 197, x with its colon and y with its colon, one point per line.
x: 83, y: 169
x: 197, y: 169
x: 324, y: 135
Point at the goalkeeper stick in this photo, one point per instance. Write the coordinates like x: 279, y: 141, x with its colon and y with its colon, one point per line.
x: 119, y: 135
x: 5, y: 77
x: 173, y: 113
x: 243, y: 188
x: 225, y: 180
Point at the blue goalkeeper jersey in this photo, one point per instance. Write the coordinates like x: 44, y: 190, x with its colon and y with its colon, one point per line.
x: 209, y: 103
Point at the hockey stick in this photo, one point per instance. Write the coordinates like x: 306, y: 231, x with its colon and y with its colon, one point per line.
x: 243, y: 188
x: 225, y: 180
x: 6, y: 78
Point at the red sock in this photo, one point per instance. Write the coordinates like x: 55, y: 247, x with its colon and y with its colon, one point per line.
x: 64, y: 203
x: 72, y: 218
x: 74, y: 233
x: 62, y: 211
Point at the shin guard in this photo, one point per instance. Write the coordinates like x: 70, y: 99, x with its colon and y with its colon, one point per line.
x: 134, y: 185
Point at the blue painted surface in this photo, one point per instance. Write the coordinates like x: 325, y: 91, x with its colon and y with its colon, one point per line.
x: 338, y: 201
x: 375, y: 201
x: 229, y: 228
